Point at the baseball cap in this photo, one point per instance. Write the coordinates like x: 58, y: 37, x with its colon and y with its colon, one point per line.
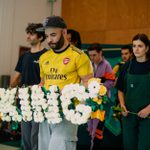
x: 53, y: 21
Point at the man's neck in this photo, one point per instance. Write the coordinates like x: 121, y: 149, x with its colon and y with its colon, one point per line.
x: 36, y: 48
x: 100, y: 60
x: 64, y: 47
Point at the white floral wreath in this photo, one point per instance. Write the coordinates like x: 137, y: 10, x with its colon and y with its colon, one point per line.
x: 81, y: 112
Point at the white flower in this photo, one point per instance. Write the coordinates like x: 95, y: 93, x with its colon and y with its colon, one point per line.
x: 38, y: 108
x: 2, y: 92
x: 93, y: 95
x: 53, y: 89
x: 8, y: 118
x: 44, y: 106
x: 94, y: 87
x: 19, y: 118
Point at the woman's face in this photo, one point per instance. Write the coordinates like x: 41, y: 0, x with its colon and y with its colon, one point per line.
x: 139, y: 49
x: 69, y: 37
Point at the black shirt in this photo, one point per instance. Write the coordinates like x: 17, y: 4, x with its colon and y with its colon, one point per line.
x: 28, y: 66
x: 135, y: 68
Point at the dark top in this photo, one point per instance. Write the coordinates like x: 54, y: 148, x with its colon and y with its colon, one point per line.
x: 135, y: 68
x: 28, y: 66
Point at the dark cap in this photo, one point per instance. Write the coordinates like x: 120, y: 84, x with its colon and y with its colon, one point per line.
x: 53, y: 21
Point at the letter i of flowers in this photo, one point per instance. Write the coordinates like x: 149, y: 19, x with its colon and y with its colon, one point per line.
x: 38, y: 102
x: 98, y: 97
x: 25, y: 102
x: 53, y: 113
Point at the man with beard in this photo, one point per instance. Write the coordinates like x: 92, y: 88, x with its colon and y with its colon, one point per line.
x: 126, y: 55
x: 63, y: 64
x: 28, y: 73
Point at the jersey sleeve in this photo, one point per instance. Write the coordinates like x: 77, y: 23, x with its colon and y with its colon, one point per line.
x: 109, y: 68
x: 84, y: 66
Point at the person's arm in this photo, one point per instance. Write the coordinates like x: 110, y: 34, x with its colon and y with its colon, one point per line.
x: 85, y: 79
x: 108, y: 82
x: 122, y: 103
x: 41, y: 82
x: 15, y: 79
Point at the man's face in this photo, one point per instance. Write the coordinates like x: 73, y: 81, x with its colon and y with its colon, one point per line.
x: 126, y: 55
x: 95, y: 56
x: 33, y: 39
x: 55, y: 38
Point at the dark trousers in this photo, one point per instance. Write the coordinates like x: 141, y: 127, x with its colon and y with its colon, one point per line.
x: 29, y: 133
x: 136, y: 133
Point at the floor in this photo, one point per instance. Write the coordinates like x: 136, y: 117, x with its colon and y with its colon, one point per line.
x: 6, y: 147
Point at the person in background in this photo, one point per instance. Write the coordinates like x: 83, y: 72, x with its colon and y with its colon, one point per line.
x: 74, y: 38
x: 133, y: 86
x: 102, y: 69
x: 126, y: 55
x: 27, y: 73
x: 63, y: 64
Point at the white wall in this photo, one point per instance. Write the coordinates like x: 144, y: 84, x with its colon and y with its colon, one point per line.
x: 14, y: 17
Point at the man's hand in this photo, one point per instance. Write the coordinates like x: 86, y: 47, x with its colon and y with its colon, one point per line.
x: 15, y: 79
x: 144, y: 112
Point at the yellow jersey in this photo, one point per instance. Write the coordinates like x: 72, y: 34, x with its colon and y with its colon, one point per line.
x: 64, y: 68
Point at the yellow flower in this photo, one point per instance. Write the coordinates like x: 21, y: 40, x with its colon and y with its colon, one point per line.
x: 102, y: 90
x: 94, y: 79
x: 76, y: 101
x: 99, y: 114
x: 98, y: 101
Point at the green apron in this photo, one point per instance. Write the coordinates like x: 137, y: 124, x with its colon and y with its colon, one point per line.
x: 136, y: 131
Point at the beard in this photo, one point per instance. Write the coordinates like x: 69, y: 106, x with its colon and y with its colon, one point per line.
x: 32, y: 42
x: 58, y: 45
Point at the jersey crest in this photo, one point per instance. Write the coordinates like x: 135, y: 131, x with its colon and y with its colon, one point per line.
x: 66, y: 61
